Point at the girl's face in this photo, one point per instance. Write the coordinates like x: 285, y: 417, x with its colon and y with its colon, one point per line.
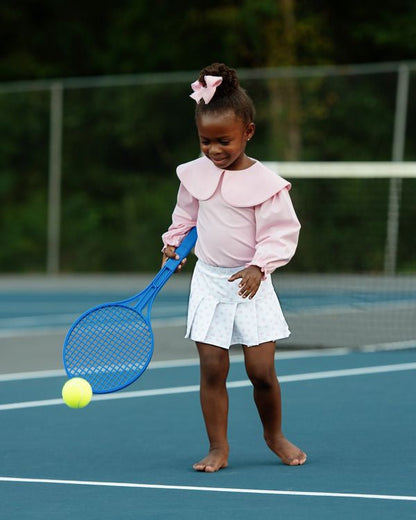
x: 223, y: 139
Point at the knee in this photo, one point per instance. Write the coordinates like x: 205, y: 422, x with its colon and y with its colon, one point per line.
x: 214, y: 371
x: 262, y: 378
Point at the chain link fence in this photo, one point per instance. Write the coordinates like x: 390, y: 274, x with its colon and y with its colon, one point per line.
x: 87, y: 165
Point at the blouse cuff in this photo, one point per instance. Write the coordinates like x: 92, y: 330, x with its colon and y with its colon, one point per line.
x: 174, y: 237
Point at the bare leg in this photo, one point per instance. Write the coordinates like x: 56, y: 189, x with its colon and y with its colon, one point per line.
x: 261, y: 371
x: 215, y: 364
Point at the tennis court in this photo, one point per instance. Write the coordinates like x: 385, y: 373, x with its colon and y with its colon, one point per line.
x: 130, y: 454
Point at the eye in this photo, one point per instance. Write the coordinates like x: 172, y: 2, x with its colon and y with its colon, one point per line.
x: 224, y: 142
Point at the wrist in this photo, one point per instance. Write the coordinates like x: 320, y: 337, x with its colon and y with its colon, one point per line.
x: 261, y: 270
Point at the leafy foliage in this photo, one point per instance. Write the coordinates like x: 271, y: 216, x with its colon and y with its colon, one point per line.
x: 121, y: 145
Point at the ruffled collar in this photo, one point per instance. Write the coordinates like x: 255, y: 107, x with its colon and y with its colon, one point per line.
x: 240, y: 188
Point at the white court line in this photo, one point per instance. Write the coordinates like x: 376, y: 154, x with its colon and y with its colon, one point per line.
x: 62, y: 328
x: 353, y: 308
x: 40, y: 325
x: 234, y: 358
x: 181, y: 363
x: 39, y: 374
x: 233, y: 384
x: 394, y: 345
x: 207, y: 489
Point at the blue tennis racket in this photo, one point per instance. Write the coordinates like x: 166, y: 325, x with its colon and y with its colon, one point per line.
x: 111, y: 345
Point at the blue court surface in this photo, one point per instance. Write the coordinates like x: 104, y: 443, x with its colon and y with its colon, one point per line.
x: 29, y: 310
x: 129, y: 455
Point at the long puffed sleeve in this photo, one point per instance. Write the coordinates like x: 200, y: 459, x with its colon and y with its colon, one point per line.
x: 184, y: 217
x: 277, y: 232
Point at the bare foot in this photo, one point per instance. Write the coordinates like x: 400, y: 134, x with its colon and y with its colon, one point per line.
x: 288, y: 452
x: 214, y: 461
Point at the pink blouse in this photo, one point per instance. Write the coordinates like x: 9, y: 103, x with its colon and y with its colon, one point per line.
x: 243, y: 217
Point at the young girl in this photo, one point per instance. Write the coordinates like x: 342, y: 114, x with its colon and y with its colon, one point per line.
x: 247, y: 228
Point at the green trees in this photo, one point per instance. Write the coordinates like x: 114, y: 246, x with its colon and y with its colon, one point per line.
x: 121, y: 144
x: 56, y: 39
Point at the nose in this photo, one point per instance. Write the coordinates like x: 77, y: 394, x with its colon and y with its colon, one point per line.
x: 214, y: 149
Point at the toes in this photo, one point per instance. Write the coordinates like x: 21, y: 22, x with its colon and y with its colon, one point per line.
x: 207, y: 468
x: 210, y: 466
x: 299, y: 461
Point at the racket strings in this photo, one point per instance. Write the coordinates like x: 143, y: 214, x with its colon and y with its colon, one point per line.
x: 109, y: 347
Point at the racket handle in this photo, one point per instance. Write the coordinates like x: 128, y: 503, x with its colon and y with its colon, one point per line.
x: 165, y: 272
x: 182, y: 250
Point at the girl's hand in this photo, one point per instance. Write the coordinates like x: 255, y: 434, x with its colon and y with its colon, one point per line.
x: 251, y: 278
x: 169, y: 252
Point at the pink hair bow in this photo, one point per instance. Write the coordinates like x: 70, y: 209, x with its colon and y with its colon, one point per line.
x: 205, y: 93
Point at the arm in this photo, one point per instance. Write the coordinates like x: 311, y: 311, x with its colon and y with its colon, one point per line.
x: 277, y: 233
x: 184, y: 217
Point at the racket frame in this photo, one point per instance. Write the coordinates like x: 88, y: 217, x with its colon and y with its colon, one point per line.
x: 142, y: 300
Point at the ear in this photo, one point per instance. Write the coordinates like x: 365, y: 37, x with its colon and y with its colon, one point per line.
x: 249, y: 132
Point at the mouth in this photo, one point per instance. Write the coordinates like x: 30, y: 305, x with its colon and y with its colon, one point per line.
x: 219, y: 160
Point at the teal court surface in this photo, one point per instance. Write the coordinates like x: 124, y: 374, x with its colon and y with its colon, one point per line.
x: 130, y: 454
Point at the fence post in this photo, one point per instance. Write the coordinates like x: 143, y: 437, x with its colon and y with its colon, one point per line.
x: 55, y: 167
x: 399, y: 137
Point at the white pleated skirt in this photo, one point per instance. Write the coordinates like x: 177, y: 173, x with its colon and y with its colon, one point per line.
x: 218, y: 316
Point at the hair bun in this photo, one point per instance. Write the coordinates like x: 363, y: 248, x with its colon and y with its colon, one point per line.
x: 230, y: 81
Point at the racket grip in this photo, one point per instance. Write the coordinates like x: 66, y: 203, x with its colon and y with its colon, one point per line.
x: 183, y: 250
x: 168, y: 269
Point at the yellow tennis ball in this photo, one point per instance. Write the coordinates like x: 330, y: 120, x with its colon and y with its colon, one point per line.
x: 77, y: 392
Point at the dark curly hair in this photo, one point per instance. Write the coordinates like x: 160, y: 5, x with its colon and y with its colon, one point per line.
x: 229, y: 96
